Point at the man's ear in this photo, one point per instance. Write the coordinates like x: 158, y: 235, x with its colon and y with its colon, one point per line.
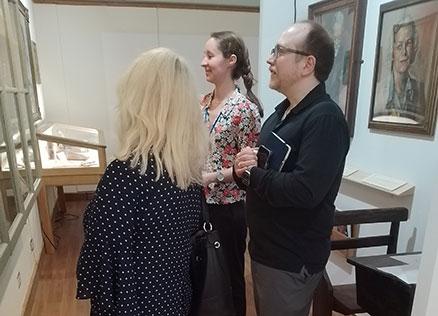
x: 309, y: 66
x: 232, y: 60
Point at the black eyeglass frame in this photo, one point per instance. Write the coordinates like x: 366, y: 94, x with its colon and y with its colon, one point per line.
x: 283, y: 49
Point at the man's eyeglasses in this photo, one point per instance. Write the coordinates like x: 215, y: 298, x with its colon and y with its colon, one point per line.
x: 280, y: 49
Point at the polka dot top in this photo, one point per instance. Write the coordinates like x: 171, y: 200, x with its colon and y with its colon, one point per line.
x: 136, y: 253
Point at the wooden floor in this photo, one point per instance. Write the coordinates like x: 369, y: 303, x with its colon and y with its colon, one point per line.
x: 54, y: 287
x: 53, y: 291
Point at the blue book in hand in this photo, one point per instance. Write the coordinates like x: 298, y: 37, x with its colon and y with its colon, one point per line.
x: 273, y: 154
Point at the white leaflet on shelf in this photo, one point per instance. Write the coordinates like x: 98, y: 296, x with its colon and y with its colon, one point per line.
x: 383, y: 182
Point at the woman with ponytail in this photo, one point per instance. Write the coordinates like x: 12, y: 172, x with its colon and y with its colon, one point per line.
x: 234, y: 121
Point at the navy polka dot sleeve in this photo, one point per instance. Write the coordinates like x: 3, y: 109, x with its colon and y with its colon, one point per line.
x: 135, y: 256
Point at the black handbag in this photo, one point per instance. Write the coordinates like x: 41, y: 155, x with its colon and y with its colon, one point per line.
x: 212, y: 294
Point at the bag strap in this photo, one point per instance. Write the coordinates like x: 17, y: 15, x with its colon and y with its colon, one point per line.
x: 206, y: 225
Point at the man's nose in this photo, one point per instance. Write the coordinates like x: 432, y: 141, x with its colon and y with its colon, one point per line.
x: 270, y: 59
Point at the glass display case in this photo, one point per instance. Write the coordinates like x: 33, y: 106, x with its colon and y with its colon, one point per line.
x: 68, y: 150
x: 69, y: 155
x: 20, y: 179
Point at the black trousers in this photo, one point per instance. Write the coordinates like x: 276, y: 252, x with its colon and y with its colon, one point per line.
x: 229, y: 220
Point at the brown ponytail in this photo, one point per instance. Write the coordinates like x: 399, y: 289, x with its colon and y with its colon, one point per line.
x: 230, y: 43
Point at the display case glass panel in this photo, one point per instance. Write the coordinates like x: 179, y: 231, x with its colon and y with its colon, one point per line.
x: 65, y: 132
x: 20, y: 22
x: 69, y: 149
x: 20, y: 180
x: 20, y: 139
x: 4, y: 51
x: 58, y: 155
x: 8, y: 194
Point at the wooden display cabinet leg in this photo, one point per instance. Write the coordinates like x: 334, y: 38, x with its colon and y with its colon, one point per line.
x: 61, y: 199
x: 46, y: 222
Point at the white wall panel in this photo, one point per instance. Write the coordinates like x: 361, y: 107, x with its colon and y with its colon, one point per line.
x: 83, y: 57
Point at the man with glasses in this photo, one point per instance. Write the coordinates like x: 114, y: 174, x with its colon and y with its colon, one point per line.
x: 290, y: 211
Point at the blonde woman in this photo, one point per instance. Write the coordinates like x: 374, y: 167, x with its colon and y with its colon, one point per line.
x: 135, y: 257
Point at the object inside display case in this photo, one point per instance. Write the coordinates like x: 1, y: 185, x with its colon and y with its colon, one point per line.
x: 6, y: 184
x: 58, y: 155
x: 66, y: 146
x: 4, y: 164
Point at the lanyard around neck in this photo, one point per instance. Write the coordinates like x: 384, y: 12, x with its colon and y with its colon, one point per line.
x: 219, y: 115
x: 215, y: 121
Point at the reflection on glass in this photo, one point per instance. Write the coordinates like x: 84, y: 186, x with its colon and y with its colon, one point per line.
x: 57, y: 155
x: 18, y: 162
x: 5, y: 62
x: 339, y: 25
x: 11, y: 109
x: 88, y: 135
x: 21, y: 28
x: 8, y: 197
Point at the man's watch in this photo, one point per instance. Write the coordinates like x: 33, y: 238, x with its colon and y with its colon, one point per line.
x: 219, y: 175
x: 246, y: 176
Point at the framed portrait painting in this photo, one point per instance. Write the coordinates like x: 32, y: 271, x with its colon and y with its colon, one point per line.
x: 404, y: 95
x: 345, y: 21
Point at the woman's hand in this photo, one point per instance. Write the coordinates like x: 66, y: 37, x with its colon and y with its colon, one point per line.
x: 208, y: 177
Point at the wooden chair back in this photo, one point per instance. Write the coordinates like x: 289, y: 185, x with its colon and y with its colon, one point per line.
x: 342, y: 298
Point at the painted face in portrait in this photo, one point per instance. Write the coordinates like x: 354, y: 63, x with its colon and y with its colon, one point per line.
x: 403, y: 49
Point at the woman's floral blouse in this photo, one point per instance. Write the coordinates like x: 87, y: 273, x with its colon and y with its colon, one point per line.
x: 238, y: 125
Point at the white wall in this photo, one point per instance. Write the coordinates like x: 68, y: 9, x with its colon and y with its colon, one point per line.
x: 426, y: 303
x: 83, y: 50
x: 403, y: 156
x: 275, y: 16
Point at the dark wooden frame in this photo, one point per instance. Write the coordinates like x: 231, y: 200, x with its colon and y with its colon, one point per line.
x: 380, y: 116
x: 316, y: 12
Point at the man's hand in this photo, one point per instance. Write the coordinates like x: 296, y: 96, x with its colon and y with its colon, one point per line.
x: 246, y: 158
